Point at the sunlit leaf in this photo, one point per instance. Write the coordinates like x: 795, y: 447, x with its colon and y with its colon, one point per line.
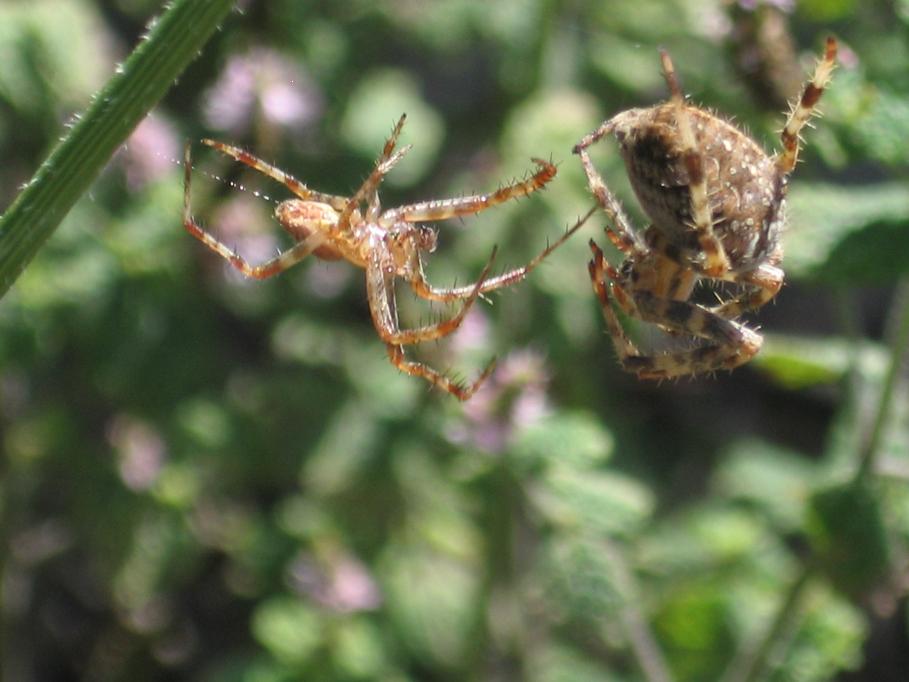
x: 848, y: 234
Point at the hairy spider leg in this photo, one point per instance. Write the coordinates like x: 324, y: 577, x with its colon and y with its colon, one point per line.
x: 269, y: 268
x: 729, y: 344
x: 294, y: 185
x: 625, y: 236
x: 600, y: 270
x: 441, y: 209
x: 764, y: 283
x: 380, y: 270
x: 380, y: 282
x: 713, y: 260
x: 606, y: 128
x: 803, y: 110
x: 425, y: 290
x: 458, y: 389
x: 767, y: 279
x: 368, y: 191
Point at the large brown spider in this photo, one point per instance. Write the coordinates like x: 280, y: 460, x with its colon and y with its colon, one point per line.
x: 387, y: 244
x: 717, y: 206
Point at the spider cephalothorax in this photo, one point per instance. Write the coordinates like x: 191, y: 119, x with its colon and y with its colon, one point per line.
x: 717, y: 205
x: 388, y: 244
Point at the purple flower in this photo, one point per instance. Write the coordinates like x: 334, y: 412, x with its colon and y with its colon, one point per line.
x: 262, y: 84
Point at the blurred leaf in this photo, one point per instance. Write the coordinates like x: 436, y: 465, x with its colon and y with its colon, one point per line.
x: 797, y: 362
x: 178, y: 484
x: 776, y: 481
x: 438, y: 509
x: 881, y: 123
x: 374, y: 108
x: 848, y: 234
x: 695, y: 630
x: 826, y: 10
x: 359, y: 650
x: 289, y: 629
x: 599, y: 502
x: 579, y: 580
x: 561, y: 664
x: 572, y: 439
x: 846, y: 530
x: 902, y: 9
x: 714, y: 538
x: 160, y: 545
x: 432, y: 602
x: 829, y: 640
x: 206, y: 421
x: 342, y: 451
x: 76, y: 267
x: 627, y: 65
x: 59, y: 37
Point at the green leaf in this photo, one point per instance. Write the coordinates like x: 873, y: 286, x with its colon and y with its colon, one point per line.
x: 602, y: 502
x: 574, y: 439
x: 432, y: 601
x: 848, y: 234
x: 829, y: 640
x: 554, y: 663
x: 846, y: 530
x: 709, y: 539
x: 801, y: 362
x: 288, y: 628
x: 374, y: 108
x: 359, y: 650
x: 695, y: 629
x: 774, y: 480
x: 579, y: 580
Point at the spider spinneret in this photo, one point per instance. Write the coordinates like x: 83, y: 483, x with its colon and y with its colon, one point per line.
x: 717, y: 205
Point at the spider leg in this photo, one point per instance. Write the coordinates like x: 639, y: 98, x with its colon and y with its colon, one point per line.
x: 622, y: 234
x: 294, y: 185
x: 729, y: 344
x: 368, y: 191
x: 703, y: 360
x: 714, y: 261
x: 380, y: 290
x: 764, y: 283
x: 380, y: 287
x: 272, y: 267
x: 458, y: 389
x: 605, y: 129
x: 601, y: 276
x: 804, y: 108
x: 424, y: 289
x: 440, y: 209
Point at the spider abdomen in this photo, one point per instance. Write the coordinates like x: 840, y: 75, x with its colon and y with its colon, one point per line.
x: 744, y: 187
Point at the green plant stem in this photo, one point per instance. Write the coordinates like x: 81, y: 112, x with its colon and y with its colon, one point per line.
x: 501, y: 634
x: 644, y: 647
x: 751, y: 666
x: 172, y: 42
x: 898, y: 331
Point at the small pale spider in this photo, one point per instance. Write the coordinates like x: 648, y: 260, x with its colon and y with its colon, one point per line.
x: 388, y: 244
x: 717, y: 205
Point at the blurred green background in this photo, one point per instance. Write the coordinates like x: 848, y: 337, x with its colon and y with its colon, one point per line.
x: 213, y: 479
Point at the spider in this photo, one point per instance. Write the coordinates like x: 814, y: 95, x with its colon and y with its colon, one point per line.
x: 388, y: 244
x: 716, y: 202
